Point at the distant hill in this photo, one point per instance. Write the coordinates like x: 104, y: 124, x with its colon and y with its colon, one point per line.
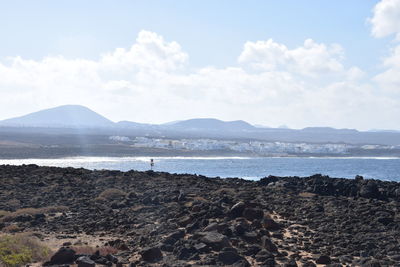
x: 131, y: 124
x: 75, y: 119
x: 68, y: 116
x: 383, y: 131
x: 327, y: 130
x: 212, y: 125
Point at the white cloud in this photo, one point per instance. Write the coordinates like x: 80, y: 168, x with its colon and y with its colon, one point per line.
x: 385, y: 22
x: 311, y: 59
x: 386, y: 18
x: 152, y: 81
x: 150, y: 52
x: 389, y: 79
x: 355, y: 73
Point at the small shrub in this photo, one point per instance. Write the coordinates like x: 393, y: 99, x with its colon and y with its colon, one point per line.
x: 13, y: 204
x: 12, y: 228
x: 4, y: 213
x: 112, y: 193
x: 20, y: 249
x: 88, y: 250
x: 32, y: 211
x: 100, y: 199
x: 53, y: 209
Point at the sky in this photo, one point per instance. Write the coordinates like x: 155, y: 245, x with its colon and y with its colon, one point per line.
x: 295, y: 63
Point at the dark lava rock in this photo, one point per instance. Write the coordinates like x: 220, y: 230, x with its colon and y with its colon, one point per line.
x: 151, y: 254
x: 241, y: 263
x: 309, y: 264
x: 323, y: 259
x: 264, y: 255
x: 354, y: 221
x: 237, y: 209
x: 268, y: 263
x: 268, y: 244
x: 63, y: 256
x: 291, y: 263
x: 253, y: 214
x: 385, y: 220
x: 372, y: 263
x: 186, y: 253
x: 240, y: 228
x: 370, y: 190
x: 251, y: 238
x: 177, y: 235
x: 270, y: 224
x: 112, y: 258
x: 229, y: 257
x: 85, y: 261
x: 215, y: 240
x: 201, y: 247
x: 23, y: 218
x: 185, y: 220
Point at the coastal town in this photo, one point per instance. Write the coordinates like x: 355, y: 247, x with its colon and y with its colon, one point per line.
x: 261, y: 148
x: 255, y: 147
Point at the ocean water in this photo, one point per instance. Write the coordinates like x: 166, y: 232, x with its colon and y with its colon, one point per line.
x: 248, y: 168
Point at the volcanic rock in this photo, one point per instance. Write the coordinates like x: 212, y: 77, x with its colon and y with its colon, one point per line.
x: 63, y: 256
x: 215, y: 240
x: 85, y: 261
x: 237, y: 209
x: 151, y: 254
x: 323, y: 259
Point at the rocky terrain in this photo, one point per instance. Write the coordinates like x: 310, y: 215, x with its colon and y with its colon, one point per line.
x: 161, y: 219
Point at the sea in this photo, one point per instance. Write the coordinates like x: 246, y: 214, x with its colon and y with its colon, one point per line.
x: 252, y: 168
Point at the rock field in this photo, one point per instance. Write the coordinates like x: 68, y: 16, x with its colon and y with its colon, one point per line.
x: 161, y: 219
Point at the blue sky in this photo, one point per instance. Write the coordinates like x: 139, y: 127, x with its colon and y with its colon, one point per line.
x: 223, y: 59
x: 212, y: 32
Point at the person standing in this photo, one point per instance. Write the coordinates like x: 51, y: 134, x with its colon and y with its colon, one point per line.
x: 151, y: 164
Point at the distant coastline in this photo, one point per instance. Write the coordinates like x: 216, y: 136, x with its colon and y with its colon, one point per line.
x: 53, y: 152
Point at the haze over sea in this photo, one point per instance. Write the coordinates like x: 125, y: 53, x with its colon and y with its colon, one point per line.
x: 243, y: 167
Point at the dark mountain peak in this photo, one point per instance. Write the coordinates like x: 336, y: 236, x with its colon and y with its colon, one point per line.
x: 62, y: 116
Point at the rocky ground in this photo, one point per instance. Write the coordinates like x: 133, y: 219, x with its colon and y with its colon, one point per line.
x: 161, y: 219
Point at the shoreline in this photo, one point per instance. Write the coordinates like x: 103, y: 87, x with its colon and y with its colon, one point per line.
x: 249, y: 168
x: 199, y: 157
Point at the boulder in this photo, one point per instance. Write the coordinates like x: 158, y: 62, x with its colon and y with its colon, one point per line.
x: 151, y: 254
x: 185, y: 221
x: 23, y: 218
x: 201, y: 247
x: 270, y: 224
x: 323, y: 259
x: 267, y: 244
x: 215, y: 240
x: 237, y: 209
x: 85, y: 261
x: 241, y: 263
x: 264, y: 255
x: 112, y: 258
x: 251, y: 237
x: 63, y: 256
x: 291, y: 263
x: 369, y: 190
x: 185, y: 253
x: 253, y: 214
x: 229, y: 257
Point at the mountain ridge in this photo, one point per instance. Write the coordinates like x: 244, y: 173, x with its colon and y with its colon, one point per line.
x: 74, y: 116
x: 78, y: 116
